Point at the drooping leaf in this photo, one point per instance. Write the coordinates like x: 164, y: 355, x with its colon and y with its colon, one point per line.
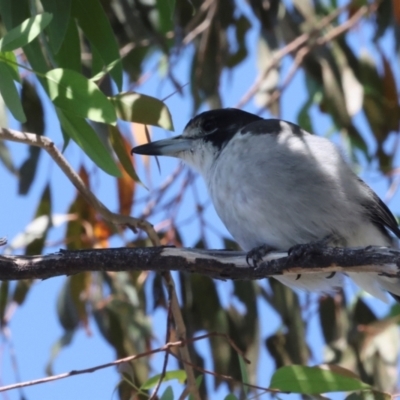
x: 21, y: 290
x: 4, y: 288
x: 61, y: 11
x: 10, y: 60
x: 66, y: 308
x: 178, y: 374
x: 96, y: 26
x: 64, y: 341
x: 168, y: 394
x: 43, y: 209
x: 76, y: 236
x: 23, y: 34
x: 10, y: 94
x: 243, y: 371
x: 369, y: 395
x: 72, y: 92
x: 79, y: 286
x: 126, y: 185
x: 69, y: 54
x: 316, y: 380
x: 84, y: 135
x: 5, y: 157
x: 242, y: 26
x: 143, y: 109
x: 230, y: 396
x: 33, y: 109
x: 122, y: 151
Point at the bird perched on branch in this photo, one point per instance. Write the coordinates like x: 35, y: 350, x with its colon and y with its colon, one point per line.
x: 276, y: 186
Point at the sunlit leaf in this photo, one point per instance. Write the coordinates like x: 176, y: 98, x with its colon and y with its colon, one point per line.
x: 315, y: 380
x: 10, y: 94
x: 84, y: 135
x: 143, y: 109
x: 72, y: 92
x: 23, y: 34
x: 179, y: 374
x: 96, y: 26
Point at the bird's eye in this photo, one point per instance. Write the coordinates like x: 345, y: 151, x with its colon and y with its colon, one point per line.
x: 209, y: 126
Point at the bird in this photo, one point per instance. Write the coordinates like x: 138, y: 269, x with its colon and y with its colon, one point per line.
x: 276, y: 186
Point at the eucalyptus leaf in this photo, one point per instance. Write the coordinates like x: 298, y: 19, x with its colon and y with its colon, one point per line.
x: 96, y: 26
x: 142, y: 109
x: 315, y: 380
x: 10, y: 93
x: 179, y: 374
x: 61, y: 11
x: 84, y: 135
x: 72, y: 92
x: 24, y: 33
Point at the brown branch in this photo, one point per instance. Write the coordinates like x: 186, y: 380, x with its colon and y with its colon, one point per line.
x: 118, y: 219
x: 307, y: 41
x: 167, y: 347
x: 218, y: 264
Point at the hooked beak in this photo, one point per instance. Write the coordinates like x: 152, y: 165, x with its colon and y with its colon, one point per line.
x: 167, y: 147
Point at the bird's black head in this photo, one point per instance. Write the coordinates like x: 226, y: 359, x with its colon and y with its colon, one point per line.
x: 218, y: 126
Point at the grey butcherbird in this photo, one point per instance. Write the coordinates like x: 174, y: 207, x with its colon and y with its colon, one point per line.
x: 275, y: 185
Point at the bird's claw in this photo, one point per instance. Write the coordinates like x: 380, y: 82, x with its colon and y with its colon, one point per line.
x: 255, y: 256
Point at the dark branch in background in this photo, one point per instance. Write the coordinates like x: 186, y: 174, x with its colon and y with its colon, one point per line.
x: 218, y: 264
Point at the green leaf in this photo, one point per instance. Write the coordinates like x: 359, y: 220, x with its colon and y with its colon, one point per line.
x: 24, y: 33
x: 96, y: 26
x: 61, y: 11
x: 199, y: 379
x: 315, y: 380
x: 120, y: 150
x: 76, y: 94
x: 243, y: 372
x: 11, y: 61
x: 230, y: 396
x: 168, y: 394
x: 10, y: 93
x: 169, y: 375
x: 142, y: 109
x: 83, y: 134
x: 69, y: 54
x: 370, y: 395
x: 104, y: 71
x: 4, y: 289
x: 44, y: 208
x: 166, y: 15
x: 64, y: 341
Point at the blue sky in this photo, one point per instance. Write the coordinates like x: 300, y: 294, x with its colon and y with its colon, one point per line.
x: 34, y: 326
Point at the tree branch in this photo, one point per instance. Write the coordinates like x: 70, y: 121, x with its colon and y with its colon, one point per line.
x: 217, y: 264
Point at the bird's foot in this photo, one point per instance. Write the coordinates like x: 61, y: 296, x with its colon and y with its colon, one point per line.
x: 254, y: 256
x: 312, y: 248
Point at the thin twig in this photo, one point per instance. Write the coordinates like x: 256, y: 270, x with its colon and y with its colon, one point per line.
x: 64, y: 375
x: 303, y: 39
x: 48, y: 145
